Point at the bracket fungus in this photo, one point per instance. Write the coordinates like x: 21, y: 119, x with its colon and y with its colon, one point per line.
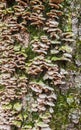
x: 42, y: 46
x: 28, y: 74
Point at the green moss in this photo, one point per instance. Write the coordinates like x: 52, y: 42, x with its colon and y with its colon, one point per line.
x: 63, y: 108
x: 60, y: 114
x: 72, y: 67
x: 78, y: 50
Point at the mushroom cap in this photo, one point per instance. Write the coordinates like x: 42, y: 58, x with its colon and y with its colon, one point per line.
x: 56, y: 1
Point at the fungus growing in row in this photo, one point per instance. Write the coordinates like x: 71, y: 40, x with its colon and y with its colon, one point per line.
x: 28, y: 81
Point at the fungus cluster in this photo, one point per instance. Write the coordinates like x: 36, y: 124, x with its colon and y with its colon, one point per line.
x: 45, y: 96
x: 13, y: 86
x: 49, y: 71
x: 36, y: 16
x: 27, y: 83
x: 42, y: 46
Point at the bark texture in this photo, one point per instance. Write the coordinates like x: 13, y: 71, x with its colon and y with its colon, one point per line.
x: 40, y: 65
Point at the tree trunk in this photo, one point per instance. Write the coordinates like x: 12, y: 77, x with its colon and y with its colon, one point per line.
x: 40, y: 65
